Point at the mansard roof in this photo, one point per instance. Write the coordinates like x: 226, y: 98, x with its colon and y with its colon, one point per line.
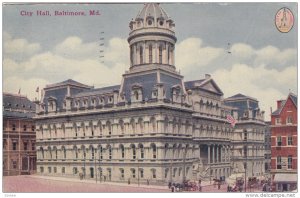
x: 16, y: 105
x: 103, y: 90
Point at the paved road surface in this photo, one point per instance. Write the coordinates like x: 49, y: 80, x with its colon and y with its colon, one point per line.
x: 27, y: 184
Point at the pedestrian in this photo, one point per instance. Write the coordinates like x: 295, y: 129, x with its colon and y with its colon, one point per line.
x: 128, y: 181
x: 219, y: 185
x: 169, y: 185
x: 200, y: 187
x: 199, y: 181
x: 172, y: 188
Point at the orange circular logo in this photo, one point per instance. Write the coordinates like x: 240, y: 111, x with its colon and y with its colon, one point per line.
x: 284, y: 20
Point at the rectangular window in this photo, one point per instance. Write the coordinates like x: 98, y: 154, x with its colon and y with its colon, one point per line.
x: 15, y: 146
x: 122, y: 173
x: 277, y: 121
x: 75, y: 170
x: 25, y: 146
x: 49, y: 169
x: 166, y: 173
x: 290, y: 161
x: 290, y: 140
x: 24, y: 128
x: 289, y: 120
x: 63, y: 170
x: 279, y: 141
x: 141, y: 173
x: 133, y: 173
x: 13, y: 127
x: 279, y: 162
x: 41, y: 169
x: 33, y: 146
x: 32, y: 128
x: 14, y: 164
x: 153, y: 174
x: 54, y: 169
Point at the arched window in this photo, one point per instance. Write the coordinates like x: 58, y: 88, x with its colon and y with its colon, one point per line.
x: 109, y: 152
x: 141, y: 148
x: 133, y: 151
x: 122, y: 151
x: 93, y: 152
x: 108, y: 125
x: 141, y: 125
x: 64, y: 153
x: 101, y: 152
x: 153, y: 148
x: 76, y: 152
x: 160, y: 54
x: 42, y: 152
x: 141, y: 54
x: 121, y: 124
x: 153, y: 125
x: 150, y: 53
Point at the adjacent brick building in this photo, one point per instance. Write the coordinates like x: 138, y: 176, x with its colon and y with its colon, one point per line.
x: 284, y: 144
x: 19, y: 155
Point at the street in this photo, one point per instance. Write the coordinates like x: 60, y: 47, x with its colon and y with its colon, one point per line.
x: 44, y: 184
x: 28, y: 184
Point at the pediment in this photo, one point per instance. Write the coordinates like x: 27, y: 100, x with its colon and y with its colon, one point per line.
x: 211, y: 86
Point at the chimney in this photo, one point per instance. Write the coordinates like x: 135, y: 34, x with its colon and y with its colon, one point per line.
x: 279, y: 103
x: 207, y: 76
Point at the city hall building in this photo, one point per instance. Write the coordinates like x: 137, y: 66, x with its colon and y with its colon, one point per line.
x: 152, y: 127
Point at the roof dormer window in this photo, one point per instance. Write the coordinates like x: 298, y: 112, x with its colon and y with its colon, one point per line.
x: 150, y: 22
x: 161, y: 23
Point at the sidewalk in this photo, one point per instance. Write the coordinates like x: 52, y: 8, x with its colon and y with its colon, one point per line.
x: 98, y: 182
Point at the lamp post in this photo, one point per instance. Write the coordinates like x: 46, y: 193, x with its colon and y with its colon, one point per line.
x: 95, y: 157
x: 84, y: 156
x: 138, y: 167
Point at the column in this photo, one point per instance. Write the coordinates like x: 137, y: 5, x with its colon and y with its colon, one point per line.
x: 217, y: 151
x: 208, y: 150
x: 213, y: 154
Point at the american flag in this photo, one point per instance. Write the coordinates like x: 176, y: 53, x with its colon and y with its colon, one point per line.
x: 231, y: 120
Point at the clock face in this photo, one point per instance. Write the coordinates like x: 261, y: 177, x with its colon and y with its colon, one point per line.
x: 284, y: 20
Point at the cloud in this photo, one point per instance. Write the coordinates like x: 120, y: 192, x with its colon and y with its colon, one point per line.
x: 18, y: 46
x: 73, y: 47
x: 242, y: 51
x: 70, y: 59
x: 191, y: 53
x: 272, y: 57
x: 266, y: 85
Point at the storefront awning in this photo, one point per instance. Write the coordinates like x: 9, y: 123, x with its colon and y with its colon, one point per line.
x: 285, y: 178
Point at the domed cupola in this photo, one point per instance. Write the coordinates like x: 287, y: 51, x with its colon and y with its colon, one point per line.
x: 152, y: 39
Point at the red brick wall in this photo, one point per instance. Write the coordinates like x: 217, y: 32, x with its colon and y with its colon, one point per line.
x: 284, y: 131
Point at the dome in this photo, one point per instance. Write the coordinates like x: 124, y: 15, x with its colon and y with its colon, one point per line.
x: 152, y: 10
x: 152, y: 16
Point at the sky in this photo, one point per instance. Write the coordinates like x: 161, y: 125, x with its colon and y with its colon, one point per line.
x: 41, y: 50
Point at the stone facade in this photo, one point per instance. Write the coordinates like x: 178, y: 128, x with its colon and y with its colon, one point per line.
x: 153, y: 127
